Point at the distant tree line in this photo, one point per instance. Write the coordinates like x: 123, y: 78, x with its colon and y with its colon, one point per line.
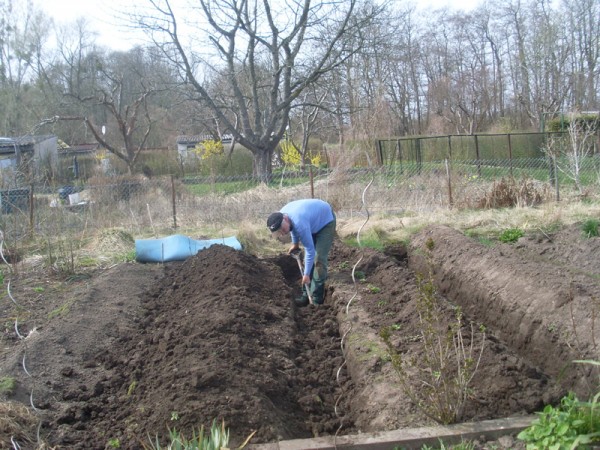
x: 262, y: 71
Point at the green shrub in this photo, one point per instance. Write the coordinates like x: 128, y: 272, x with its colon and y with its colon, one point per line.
x: 449, y: 361
x: 571, y: 424
x: 563, y: 123
x: 511, y: 235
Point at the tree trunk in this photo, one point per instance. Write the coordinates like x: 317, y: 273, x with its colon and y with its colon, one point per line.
x: 262, y: 162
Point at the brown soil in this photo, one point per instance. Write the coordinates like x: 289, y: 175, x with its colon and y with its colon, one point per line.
x: 137, y: 349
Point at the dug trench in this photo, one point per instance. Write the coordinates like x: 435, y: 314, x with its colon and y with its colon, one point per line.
x: 148, y: 348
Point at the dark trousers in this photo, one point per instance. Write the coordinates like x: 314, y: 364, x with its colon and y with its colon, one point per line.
x: 322, y: 241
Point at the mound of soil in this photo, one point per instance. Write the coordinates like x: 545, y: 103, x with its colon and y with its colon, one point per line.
x: 135, y: 350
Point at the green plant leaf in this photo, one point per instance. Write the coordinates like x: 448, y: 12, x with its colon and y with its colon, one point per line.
x: 562, y: 429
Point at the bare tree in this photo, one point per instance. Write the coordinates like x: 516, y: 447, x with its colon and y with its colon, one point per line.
x: 368, y: 76
x: 110, y: 94
x: 125, y: 108
x: 404, y: 85
x: 270, y: 50
x: 583, y: 30
x: 305, y: 121
x: 23, y: 33
x: 570, y: 154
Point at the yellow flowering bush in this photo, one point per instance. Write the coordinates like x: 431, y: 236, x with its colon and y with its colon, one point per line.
x: 209, y: 149
x: 290, y: 155
x: 210, y: 152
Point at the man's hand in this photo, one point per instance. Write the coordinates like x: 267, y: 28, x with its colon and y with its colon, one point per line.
x: 293, y: 249
x: 306, y: 279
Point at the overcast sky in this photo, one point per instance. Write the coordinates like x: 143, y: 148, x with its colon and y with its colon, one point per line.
x: 101, y: 15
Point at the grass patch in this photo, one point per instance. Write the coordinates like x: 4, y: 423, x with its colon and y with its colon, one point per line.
x: 221, y: 187
x: 371, y: 349
x: 360, y: 275
x: 127, y: 257
x: 215, y: 439
x: 373, y: 289
x: 550, y: 228
x: 482, y: 238
x: 62, y: 310
x: 371, y: 239
x: 7, y: 385
x: 486, y: 241
x: 88, y: 261
x: 590, y: 228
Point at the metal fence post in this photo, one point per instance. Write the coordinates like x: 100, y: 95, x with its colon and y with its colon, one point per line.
x: 418, y: 155
x: 510, y: 161
x: 379, y: 152
x: 552, y: 174
x: 477, y: 156
x: 399, y: 146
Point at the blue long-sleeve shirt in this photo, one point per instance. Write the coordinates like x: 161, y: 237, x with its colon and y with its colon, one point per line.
x: 308, y: 217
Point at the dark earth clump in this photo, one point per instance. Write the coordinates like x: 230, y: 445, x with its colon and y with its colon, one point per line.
x: 137, y: 349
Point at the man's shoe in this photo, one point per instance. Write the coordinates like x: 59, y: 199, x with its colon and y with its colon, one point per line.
x: 301, y: 301
x: 317, y: 301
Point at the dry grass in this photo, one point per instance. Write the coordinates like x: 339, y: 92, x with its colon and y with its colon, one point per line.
x: 111, y: 241
x: 399, y: 206
x: 17, y: 423
x: 478, y: 221
x: 399, y: 210
x: 508, y: 192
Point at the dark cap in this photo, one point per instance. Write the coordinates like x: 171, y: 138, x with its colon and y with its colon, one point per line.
x: 274, y: 221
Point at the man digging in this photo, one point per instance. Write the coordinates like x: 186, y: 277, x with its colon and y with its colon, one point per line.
x: 312, y: 223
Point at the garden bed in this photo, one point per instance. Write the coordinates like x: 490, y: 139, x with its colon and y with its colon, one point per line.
x: 128, y: 353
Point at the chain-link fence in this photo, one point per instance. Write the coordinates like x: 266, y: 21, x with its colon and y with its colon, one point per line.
x: 158, y: 206
x: 465, y: 147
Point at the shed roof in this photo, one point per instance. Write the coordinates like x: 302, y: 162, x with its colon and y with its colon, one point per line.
x: 80, y: 149
x: 23, y: 143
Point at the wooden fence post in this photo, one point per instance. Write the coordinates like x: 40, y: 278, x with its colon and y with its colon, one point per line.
x: 450, y: 200
x: 312, y: 182
x: 173, y: 201
x: 31, y: 224
x: 556, y: 187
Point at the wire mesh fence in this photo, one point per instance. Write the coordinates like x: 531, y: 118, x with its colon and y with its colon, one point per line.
x: 154, y: 206
x: 466, y: 147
